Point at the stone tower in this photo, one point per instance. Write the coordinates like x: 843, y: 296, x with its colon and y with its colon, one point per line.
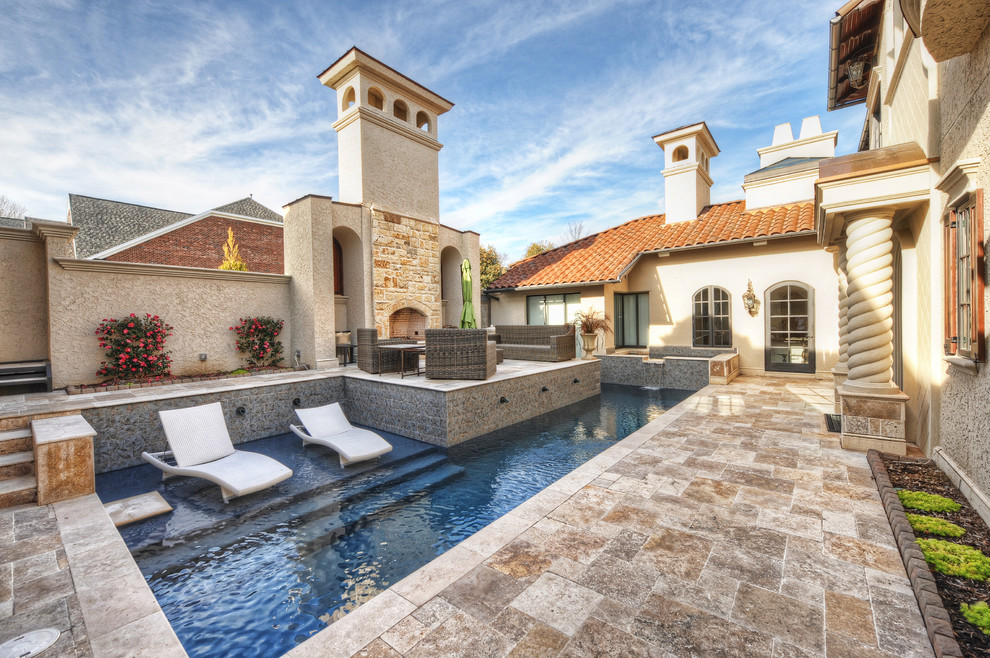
x: 387, y: 144
x: 687, y: 181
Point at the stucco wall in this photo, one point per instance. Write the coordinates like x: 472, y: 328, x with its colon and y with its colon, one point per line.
x: 201, y: 309
x: 308, y: 242
x: 466, y: 244
x: 672, y: 281
x: 965, y: 398
x: 23, y: 297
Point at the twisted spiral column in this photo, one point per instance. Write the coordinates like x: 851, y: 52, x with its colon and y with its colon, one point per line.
x: 869, y: 293
x: 843, y: 364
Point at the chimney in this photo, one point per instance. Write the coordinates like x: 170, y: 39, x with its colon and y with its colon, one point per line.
x: 789, y: 167
x: 686, y: 178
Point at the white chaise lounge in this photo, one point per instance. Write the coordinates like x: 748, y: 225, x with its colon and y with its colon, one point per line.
x: 328, y: 426
x: 201, y: 448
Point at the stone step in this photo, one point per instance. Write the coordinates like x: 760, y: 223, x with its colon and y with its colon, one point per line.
x: 16, y: 464
x: 13, y: 441
x: 18, y: 491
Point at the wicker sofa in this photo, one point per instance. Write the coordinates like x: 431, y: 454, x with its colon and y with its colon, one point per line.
x: 550, y: 342
x: 373, y: 360
x: 459, y: 354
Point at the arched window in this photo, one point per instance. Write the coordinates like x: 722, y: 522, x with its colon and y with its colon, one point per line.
x: 790, y: 316
x: 710, y: 321
x: 338, y: 268
x: 423, y: 121
x: 680, y: 153
x: 349, y: 98
x: 400, y: 111
x: 376, y: 98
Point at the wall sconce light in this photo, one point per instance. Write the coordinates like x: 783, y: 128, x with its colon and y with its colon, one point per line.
x: 856, y: 71
x: 202, y: 357
x: 750, y: 301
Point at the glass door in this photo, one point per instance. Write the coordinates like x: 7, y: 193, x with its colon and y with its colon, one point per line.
x: 790, y: 340
x: 632, y: 319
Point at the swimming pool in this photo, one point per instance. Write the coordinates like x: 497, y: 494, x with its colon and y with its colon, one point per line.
x: 270, y: 581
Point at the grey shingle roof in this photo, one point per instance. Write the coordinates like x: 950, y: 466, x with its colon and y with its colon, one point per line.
x: 248, y: 207
x: 10, y: 222
x: 105, y: 224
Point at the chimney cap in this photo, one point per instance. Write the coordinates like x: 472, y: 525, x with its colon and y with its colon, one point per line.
x: 699, y: 130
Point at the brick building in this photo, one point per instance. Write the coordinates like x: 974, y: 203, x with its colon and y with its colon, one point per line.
x: 126, y: 232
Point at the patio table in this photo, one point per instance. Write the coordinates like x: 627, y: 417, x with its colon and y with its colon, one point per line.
x: 404, y: 349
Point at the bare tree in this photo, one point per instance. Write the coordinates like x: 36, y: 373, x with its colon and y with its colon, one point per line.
x: 10, y: 208
x: 574, y: 231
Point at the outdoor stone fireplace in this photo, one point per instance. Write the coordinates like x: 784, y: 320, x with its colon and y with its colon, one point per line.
x: 406, y: 274
x: 407, y: 322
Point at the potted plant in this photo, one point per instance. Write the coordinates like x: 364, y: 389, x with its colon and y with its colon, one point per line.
x: 591, y: 323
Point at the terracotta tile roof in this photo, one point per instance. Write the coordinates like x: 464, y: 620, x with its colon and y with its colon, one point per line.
x: 604, y: 256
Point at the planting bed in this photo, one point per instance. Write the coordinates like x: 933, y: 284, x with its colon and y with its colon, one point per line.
x: 924, y: 475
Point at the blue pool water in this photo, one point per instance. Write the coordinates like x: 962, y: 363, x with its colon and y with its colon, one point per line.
x: 274, y: 578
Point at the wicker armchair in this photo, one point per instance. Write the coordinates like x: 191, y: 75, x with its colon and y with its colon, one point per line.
x: 370, y: 358
x: 459, y: 354
x: 549, y: 342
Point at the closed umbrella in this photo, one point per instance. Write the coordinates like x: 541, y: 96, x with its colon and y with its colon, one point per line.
x: 467, y: 312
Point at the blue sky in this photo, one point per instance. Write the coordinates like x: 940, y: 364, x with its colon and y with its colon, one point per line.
x: 190, y: 105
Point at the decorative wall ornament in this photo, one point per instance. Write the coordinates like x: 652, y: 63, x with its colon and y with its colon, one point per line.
x: 750, y: 301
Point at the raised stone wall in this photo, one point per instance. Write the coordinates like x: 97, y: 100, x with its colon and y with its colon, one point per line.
x: 441, y: 417
x: 406, y: 269
x: 124, y: 431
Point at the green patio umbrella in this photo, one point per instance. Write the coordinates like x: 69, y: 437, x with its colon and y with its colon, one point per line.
x: 467, y: 313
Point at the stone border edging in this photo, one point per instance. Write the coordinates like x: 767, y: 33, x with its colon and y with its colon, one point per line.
x: 73, y: 389
x: 937, y: 621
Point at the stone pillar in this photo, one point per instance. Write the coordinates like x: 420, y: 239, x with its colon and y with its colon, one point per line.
x: 63, y: 458
x: 308, y: 248
x: 841, y: 369
x: 873, y: 407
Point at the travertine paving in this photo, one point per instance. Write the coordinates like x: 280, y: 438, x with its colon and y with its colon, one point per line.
x: 36, y: 589
x: 732, y: 525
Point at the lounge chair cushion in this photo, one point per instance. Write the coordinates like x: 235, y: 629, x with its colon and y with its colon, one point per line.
x: 197, y: 435
x: 324, y: 421
x: 328, y: 426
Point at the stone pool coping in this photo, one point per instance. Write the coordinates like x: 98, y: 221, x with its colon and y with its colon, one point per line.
x: 363, y: 625
x: 121, y: 614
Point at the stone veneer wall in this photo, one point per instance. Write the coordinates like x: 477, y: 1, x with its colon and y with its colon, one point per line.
x: 406, y: 254
x: 683, y: 373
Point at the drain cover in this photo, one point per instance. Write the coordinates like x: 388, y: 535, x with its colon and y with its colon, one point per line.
x: 29, y: 644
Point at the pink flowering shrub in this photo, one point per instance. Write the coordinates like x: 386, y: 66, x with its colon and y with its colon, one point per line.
x: 135, y: 347
x: 257, y: 339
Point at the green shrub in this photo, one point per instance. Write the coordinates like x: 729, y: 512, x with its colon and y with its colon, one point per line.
x: 933, y: 526
x: 927, y: 502
x: 977, y: 614
x: 955, y: 559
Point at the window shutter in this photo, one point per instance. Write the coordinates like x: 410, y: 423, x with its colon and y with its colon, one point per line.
x: 949, y: 277
x: 979, y: 339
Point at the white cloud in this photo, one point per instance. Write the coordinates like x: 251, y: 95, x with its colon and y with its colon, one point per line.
x: 191, y: 105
